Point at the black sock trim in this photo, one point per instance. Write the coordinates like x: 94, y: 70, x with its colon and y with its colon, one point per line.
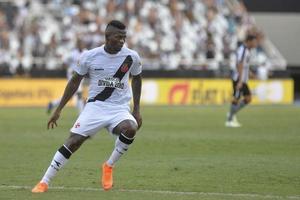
x: 65, y: 152
x: 125, y: 140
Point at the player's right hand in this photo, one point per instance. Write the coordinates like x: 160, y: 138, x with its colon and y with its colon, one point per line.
x: 52, y: 121
x: 239, y: 85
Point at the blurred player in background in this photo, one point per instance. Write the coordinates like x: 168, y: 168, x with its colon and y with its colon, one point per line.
x: 109, y: 68
x: 240, y: 80
x: 71, y: 62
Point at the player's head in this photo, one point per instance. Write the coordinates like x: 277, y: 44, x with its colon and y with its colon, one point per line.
x: 80, y: 44
x: 115, y: 35
x: 251, y: 41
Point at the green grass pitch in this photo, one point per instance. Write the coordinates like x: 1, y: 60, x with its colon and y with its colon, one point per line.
x: 181, y: 153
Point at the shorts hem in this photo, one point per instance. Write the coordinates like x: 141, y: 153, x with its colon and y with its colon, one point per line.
x: 82, y: 134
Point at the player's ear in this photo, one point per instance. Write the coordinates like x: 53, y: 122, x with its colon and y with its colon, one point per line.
x: 107, y: 37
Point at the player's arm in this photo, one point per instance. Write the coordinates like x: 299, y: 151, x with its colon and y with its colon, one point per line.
x: 240, y: 68
x: 252, y: 74
x: 136, y: 85
x: 70, y: 90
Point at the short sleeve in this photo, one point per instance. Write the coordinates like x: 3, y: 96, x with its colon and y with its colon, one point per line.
x: 81, y: 66
x: 137, y: 65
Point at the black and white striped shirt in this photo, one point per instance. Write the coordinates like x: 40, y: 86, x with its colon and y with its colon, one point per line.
x: 243, y: 56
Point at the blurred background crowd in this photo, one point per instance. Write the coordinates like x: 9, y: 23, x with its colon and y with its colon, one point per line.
x: 168, y: 34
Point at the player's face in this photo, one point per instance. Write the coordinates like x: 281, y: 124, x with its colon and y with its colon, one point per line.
x: 253, y: 43
x: 80, y: 44
x: 117, y: 40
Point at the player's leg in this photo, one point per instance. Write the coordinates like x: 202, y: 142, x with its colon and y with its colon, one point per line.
x: 126, y: 131
x: 246, y: 98
x: 85, y: 126
x: 244, y: 102
x: 61, y: 157
x: 236, y: 105
x: 231, y: 115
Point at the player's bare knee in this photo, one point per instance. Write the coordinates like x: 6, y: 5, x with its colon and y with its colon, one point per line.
x: 130, y: 131
x: 248, y: 99
x: 235, y: 101
x: 127, y: 127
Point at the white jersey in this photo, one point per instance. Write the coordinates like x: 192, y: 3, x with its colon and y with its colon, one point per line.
x: 243, y: 56
x: 109, y: 73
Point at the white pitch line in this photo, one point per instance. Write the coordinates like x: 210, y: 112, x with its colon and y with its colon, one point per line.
x: 266, y: 196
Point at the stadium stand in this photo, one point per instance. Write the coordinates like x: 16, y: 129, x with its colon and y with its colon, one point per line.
x: 36, y: 36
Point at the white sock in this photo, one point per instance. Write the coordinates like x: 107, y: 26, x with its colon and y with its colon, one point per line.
x: 59, y: 160
x: 121, y: 146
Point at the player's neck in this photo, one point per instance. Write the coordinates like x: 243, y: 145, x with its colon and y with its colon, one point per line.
x: 247, y: 46
x: 109, y: 50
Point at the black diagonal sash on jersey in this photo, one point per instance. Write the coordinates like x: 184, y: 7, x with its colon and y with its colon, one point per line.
x: 107, y: 92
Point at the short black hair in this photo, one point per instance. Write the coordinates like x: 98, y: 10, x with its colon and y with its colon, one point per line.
x: 251, y: 37
x: 117, y: 24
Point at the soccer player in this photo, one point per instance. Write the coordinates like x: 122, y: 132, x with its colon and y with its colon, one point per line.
x: 108, y: 67
x: 240, y: 79
x: 71, y: 61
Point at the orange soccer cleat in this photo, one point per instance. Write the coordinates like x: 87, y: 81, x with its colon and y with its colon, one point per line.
x: 107, y: 176
x: 40, y: 188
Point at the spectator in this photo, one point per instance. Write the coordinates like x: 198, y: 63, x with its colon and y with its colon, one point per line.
x: 168, y: 34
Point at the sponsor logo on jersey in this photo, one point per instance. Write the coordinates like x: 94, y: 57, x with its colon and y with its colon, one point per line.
x: 124, y: 68
x: 111, y: 82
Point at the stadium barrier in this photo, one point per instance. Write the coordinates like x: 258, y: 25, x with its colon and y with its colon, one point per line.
x: 30, y: 92
x: 213, y: 91
x: 38, y: 92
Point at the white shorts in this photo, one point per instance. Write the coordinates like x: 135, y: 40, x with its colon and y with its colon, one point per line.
x: 97, y: 115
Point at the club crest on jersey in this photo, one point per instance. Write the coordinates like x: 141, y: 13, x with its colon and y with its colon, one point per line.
x: 124, y: 68
x: 111, y: 82
x: 77, y: 125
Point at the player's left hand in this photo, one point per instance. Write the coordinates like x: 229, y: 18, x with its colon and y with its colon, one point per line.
x: 52, y: 121
x: 138, y: 118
